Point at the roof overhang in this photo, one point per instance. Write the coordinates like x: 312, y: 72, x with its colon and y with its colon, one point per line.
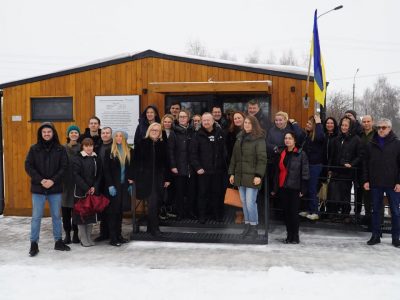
x: 259, y: 86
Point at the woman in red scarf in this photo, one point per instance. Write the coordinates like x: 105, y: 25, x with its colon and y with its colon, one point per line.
x: 290, y: 184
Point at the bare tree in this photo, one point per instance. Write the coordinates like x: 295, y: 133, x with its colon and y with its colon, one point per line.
x: 227, y: 56
x: 196, y: 47
x: 337, y: 103
x: 382, y: 101
x: 288, y: 58
x: 253, y: 57
x: 271, y: 58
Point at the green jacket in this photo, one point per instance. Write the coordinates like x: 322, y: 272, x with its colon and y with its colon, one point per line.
x: 249, y: 160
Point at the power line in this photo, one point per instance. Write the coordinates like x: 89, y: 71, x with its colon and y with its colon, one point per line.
x: 365, y: 76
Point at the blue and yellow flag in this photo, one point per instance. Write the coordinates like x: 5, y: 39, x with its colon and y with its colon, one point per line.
x: 319, y: 69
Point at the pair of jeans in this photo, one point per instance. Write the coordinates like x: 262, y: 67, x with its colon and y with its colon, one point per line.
x: 38, y: 201
x: 394, y: 200
x: 248, y: 196
x: 315, y: 171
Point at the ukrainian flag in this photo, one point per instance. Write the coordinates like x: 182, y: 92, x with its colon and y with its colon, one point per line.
x: 319, y: 69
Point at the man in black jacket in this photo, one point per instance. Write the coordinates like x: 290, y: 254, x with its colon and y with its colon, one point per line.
x: 93, y: 131
x: 208, y: 158
x: 254, y: 109
x: 382, y: 175
x: 45, y: 164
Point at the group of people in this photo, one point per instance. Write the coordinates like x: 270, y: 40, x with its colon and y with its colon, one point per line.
x: 186, y: 163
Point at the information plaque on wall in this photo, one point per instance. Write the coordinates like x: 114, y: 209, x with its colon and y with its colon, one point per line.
x: 119, y: 112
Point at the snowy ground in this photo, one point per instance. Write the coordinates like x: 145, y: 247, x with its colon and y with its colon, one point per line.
x: 326, y: 265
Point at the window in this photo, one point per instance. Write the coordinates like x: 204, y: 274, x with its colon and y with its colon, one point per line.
x: 51, y: 109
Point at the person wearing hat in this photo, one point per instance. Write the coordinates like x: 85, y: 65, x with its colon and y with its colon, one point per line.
x: 357, y: 128
x: 118, y: 175
x: 72, y: 147
x: 46, y: 164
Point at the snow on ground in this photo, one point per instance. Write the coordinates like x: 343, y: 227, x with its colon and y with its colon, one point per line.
x: 326, y: 265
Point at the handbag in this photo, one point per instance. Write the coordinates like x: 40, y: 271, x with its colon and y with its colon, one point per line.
x: 90, y: 205
x: 232, y: 197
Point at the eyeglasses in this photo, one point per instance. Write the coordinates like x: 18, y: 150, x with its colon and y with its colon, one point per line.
x: 155, y: 130
x: 382, y: 127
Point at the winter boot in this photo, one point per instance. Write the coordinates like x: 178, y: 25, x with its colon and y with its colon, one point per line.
x: 75, y: 237
x: 34, y: 250
x: 396, y: 243
x: 375, y: 239
x: 89, y: 229
x: 67, y: 239
x: 288, y: 239
x: 246, y: 230
x: 83, y: 236
x: 59, y: 245
x: 295, y: 239
x: 253, y: 233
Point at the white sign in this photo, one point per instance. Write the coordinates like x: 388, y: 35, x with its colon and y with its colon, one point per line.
x: 16, y: 118
x: 119, y: 113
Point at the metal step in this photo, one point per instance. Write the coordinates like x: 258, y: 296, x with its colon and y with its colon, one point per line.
x: 199, y: 237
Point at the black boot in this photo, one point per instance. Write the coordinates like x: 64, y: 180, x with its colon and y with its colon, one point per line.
x: 245, y: 231
x: 122, y: 240
x: 34, y: 250
x: 288, y: 239
x: 75, y: 237
x: 375, y: 239
x: 396, y: 243
x: 295, y: 239
x: 59, y: 245
x: 253, y: 233
x: 67, y: 239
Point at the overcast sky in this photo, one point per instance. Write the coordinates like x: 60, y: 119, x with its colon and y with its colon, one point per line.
x: 43, y: 36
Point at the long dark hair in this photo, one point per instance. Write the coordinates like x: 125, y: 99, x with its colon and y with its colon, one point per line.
x: 256, y: 130
x: 232, y: 126
x: 335, y: 125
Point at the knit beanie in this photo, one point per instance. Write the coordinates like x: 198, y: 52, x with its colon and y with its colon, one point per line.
x: 125, y: 134
x: 73, y: 127
x: 350, y: 111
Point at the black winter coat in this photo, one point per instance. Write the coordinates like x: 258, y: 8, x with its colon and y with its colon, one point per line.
x: 297, y: 172
x: 178, y: 149
x: 87, y: 173
x: 276, y: 137
x: 209, y: 155
x: 382, y: 165
x: 314, y: 148
x: 96, y: 139
x: 264, y: 122
x: 46, y: 163
x: 112, y: 176
x: 150, y: 167
x: 346, y: 149
x: 141, y: 129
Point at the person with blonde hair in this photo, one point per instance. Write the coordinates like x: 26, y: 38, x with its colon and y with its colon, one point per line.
x: 167, y: 123
x: 118, y: 174
x: 151, y: 173
x: 276, y: 134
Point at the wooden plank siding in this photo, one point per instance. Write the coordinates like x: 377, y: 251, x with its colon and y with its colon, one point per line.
x: 132, y: 77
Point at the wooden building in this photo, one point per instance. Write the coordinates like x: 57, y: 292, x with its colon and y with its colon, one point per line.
x: 158, y: 78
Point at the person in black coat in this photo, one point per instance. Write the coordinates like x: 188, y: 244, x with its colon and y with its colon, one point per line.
x: 46, y: 163
x: 106, y: 143
x: 208, y: 158
x: 346, y: 155
x: 382, y: 175
x: 290, y: 183
x: 148, y: 116
x: 118, y: 175
x: 254, y: 109
x: 178, y: 150
x: 87, y: 170
x: 93, y: 132
x: 151, y: 173
x: 313, y: 141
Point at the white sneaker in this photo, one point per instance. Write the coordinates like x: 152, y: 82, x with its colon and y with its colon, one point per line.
x: 303, y: 214
x: 313, y: 217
